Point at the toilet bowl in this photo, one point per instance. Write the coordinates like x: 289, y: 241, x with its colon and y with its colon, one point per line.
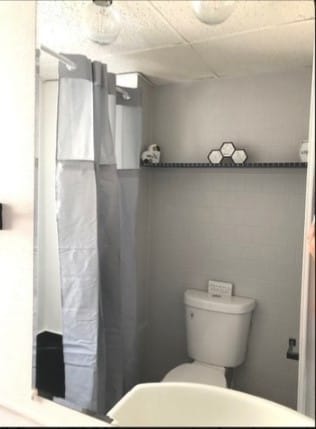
x: 217, y: 329
x: 197, y: 373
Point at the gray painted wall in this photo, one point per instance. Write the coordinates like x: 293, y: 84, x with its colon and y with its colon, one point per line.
x: 242, y: 226
x: 266, y: 114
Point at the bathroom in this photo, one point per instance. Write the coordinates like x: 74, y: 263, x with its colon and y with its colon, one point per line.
x: 193, y: 224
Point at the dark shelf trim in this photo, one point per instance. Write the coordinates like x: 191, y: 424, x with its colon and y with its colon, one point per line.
x: 207, y: 165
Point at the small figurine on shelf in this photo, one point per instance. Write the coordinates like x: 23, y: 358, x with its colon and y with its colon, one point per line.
x: 151, y: 155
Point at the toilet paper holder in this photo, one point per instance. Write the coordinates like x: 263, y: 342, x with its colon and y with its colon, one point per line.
x: 291, y: 354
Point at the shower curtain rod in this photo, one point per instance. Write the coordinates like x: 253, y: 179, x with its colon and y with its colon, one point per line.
x: 72, y: 66
x: 68, y: 63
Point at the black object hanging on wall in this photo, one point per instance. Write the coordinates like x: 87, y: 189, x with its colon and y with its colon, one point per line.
x: 0, y: 216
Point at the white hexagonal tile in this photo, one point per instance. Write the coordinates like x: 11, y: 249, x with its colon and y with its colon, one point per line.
x: 227, y: 149
x: 215, y: 157
x: 239, y: 156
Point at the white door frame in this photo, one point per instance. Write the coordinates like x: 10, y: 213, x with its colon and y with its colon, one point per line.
x: 303, y: 373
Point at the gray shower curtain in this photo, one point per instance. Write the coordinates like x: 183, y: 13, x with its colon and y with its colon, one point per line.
x: 89, y: 222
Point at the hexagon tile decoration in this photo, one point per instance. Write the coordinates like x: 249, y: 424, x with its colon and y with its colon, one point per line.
x: 227, y: 154
x: 215, y: 156
x: 227, y: 149
x: 239, y: 156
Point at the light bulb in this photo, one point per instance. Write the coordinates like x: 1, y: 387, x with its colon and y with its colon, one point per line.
x: 213, y: 11
x: 102, y: 22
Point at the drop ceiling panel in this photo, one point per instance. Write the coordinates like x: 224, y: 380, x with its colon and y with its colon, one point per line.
x: 282, y: 48
x: 248, y: 15
x: 161, y: 66
x: 150, y: 41
x: 166, y: 64
x: 61, y: 27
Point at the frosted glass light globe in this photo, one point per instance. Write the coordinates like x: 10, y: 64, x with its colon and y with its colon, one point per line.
x: 102, y: 22
x: 213, y: 11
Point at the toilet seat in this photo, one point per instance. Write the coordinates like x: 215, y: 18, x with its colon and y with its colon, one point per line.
x: 197, y: 373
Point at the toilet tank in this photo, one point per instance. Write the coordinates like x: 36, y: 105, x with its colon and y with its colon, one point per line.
x: 217, y: 327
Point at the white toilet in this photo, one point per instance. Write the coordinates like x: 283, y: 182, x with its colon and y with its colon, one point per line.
x: 217, y: 334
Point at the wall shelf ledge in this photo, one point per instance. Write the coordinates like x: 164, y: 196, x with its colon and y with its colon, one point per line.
x: 207, y: 165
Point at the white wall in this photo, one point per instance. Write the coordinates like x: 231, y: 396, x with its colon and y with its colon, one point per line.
x: 306, y: 379
x: 49, y: 294
x: 17, y: 77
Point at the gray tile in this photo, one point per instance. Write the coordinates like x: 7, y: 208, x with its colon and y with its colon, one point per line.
x: 243, y: 228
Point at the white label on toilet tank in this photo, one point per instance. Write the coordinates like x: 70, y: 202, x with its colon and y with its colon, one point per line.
x: 217, y: 288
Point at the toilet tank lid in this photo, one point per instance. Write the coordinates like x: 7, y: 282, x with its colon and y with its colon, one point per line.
x: 224, y: 304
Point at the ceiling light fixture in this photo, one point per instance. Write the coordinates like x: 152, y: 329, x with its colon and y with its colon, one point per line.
x: 213, y: 12
x: 102, y: 22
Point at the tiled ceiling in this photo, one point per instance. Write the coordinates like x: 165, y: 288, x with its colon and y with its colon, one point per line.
x: 166, y: 42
